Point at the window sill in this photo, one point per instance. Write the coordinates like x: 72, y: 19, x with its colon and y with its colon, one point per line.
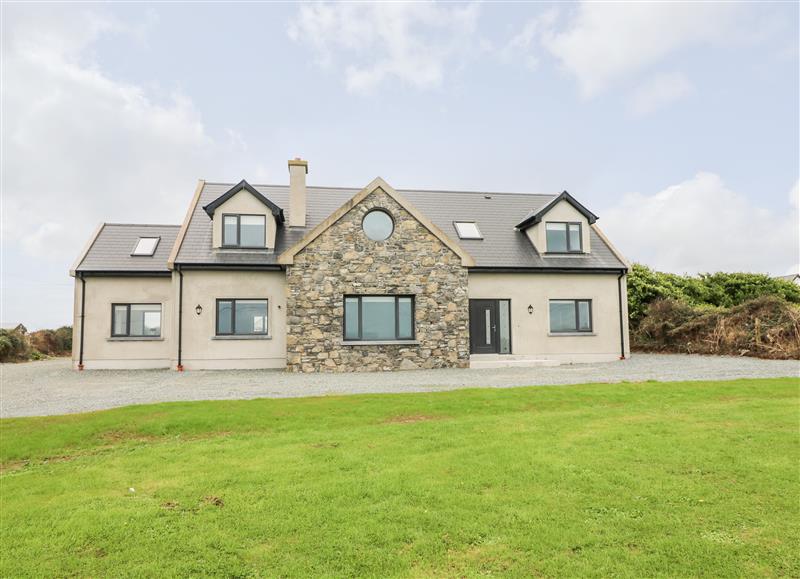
x: 565, y: 253
x: 569, y: 334
x: 135, y: 339
x: 258, y: 250
x: 243, y: 337
x: 379, y: 342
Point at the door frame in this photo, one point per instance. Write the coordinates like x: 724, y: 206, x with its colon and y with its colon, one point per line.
x: 496, y: 334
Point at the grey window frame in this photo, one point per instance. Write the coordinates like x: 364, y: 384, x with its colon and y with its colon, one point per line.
x: 396, y: 317
x: 127, y: 333
x: 567, y: 223
x: 575, y: 303
x: 233, y: 317
x: 238, y: 217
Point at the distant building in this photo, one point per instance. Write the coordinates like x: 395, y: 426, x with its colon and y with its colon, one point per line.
x: 792, y: 277
x: 14, y: 327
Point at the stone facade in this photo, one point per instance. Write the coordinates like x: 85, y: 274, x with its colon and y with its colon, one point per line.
x: 344, y: 261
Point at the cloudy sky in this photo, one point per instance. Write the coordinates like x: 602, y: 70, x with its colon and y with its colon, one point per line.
x: 676, y: 123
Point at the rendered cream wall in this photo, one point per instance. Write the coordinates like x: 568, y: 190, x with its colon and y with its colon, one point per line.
x: 102, y: 351
x: 201, y: 347
x: 242, y: 202
x: 529, y: 333
x: 561, y: 211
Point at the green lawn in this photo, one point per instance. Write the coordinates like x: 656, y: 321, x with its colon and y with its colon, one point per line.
x: 639, y: 480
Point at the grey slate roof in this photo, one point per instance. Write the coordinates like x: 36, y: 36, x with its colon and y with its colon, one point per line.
x: 111, y: 250
x: 496, y: 214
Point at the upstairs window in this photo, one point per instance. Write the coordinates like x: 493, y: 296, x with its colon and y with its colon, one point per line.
x: 146, y: 246
x: 378, y: 225
x: 568, y: 316
x: 244, y: 230
x: 563, y: 237
x: 467, y: 230
x: 378, y: 318
x: 136, y: 320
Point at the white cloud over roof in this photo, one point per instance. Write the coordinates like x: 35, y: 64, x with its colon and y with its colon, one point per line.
x: 700, y: 225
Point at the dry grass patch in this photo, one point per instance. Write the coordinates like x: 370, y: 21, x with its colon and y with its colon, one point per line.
x: 412, y: 418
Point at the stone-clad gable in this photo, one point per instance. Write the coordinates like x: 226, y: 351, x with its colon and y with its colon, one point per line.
x: 343, y: 261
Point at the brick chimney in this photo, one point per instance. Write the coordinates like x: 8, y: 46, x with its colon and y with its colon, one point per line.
x: 297, y: 192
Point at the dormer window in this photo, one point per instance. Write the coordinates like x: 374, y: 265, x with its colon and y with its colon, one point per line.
x: 563, y: 237
x: 467, y: 230
x: 146, y: 246
x: 244, y: 231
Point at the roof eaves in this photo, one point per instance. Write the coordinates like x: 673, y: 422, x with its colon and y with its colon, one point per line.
x: 125, y: 272
x: 86, y: 249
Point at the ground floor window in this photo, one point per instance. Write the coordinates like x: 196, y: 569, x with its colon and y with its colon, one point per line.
x: 242, y: 317
x: 136, y: 320
x: 570, y: 316
x: 378, y: 318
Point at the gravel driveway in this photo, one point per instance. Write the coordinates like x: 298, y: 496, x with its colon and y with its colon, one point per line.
x: 52, y: 387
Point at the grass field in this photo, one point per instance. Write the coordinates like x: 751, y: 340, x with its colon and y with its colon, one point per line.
x: 639, y: 480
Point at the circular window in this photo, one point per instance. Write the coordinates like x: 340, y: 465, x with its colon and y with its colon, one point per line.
x: 378, y: 225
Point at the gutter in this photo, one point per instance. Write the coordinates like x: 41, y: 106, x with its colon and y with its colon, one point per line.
x: 83, y: 317
x: 180, y: 319
x: 226, y: 267
x: 125, y: 273
x: 621, y: 317
x: 494, y: 269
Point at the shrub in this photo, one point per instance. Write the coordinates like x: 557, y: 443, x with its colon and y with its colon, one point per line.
x: 726, y: 290
x: 53, y: 342
x: 6, y: 346
x: 13, y: 346
x: 16, y: 345
x: 765, y: 327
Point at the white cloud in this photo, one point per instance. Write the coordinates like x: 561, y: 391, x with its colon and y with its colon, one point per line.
x: 794, y: 196
x: 700, y: 225
x: 606, y: 42
x: 410, y: 42
x: 81, y: 147
x: 659, y: 91
x: 524, y: 44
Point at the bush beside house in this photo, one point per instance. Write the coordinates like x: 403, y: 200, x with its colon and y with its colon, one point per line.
x: 17, y: 345
x: 738, y: 314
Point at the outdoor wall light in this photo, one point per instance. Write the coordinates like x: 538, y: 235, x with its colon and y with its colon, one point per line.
x: 199, y: 309
x: 530, y: 310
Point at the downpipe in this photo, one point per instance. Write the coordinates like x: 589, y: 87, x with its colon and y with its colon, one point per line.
x: 179, y: 368
x: 621, y: 317
x: 83, y: 318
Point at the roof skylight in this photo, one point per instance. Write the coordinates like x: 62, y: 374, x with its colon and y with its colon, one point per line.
x: 146, y: 246
x: 467, y: 230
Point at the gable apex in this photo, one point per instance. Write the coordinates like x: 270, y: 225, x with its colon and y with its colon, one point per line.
x: 535, y: 217
x: 244, y: 186
x: 287, y: 257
